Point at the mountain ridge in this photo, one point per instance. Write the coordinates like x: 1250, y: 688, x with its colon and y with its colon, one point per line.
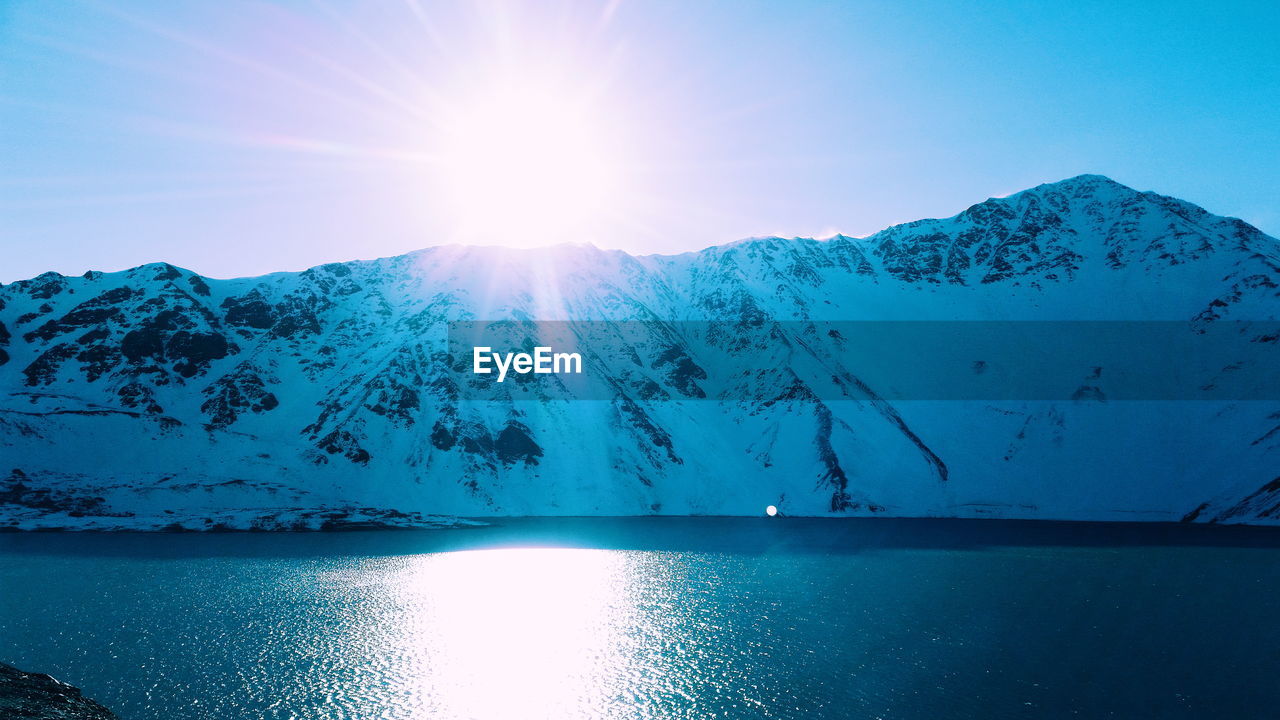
x: 155, y: 397
x: 1059, y: 184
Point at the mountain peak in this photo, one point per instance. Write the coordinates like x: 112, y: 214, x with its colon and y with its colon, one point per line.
x: 292, y: 399
x: 1088, y: 180
x: 1088, y: 185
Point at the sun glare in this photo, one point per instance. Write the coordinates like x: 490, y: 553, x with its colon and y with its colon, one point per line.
x: 527, y: 164
x: 520, y: 632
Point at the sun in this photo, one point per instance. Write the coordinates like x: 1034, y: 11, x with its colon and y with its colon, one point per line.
x: 528, y: 163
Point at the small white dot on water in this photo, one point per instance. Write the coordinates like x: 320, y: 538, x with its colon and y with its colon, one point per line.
x: 771, y: 511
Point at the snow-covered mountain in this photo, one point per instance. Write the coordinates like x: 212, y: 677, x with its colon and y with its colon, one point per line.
x: 156, y: 397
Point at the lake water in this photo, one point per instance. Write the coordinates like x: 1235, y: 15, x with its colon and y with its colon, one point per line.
x: 657, y: 618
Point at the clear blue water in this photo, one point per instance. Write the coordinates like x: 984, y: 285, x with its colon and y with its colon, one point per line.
x: 657, y: 618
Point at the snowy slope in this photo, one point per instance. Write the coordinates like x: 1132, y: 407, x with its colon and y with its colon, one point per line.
x: 154, y: 396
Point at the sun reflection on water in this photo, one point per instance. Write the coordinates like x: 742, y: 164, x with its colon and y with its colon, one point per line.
x: 520, y: 632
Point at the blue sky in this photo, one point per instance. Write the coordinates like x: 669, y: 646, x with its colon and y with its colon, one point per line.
x: 238, y: 138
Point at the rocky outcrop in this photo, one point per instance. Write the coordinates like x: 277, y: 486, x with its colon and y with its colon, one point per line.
x: 32, y: 696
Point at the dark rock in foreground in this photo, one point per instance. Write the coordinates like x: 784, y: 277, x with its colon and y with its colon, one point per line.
x: 32, y: 696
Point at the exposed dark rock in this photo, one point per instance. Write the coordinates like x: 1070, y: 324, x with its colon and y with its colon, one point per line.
x: 92, y: 312
x: 346, y: 444
x: 194, y: 351
x: 198, y: 285
x: 93, y: 336
x: 32, y: 696
x: 232, y: 395
x: 477, y: 440
x: 44, y: 369
x: 1195, y: 514
x: 45, y: 286
x: 296, y: 316
x: 148, y: 340
x: 514, y: 445
x: 21, y: 490
x: 398, y: 402
x: 394, y: 393
x: 332, y: 279
x: 1089, y: 393
x: 98, y: 360
x: 137, y: 395
x: 1263, y: 502
x: 252, y: 310
x: 660, y: 439
x: 165, y: 271
x: 441, y: 438
x: 680, y: 371
x: 169, y: 337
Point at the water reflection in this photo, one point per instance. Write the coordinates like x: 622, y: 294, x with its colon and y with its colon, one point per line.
x: 521, y: 632
x: 659, y: 618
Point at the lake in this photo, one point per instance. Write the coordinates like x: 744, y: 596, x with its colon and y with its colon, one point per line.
x: 657, y: 618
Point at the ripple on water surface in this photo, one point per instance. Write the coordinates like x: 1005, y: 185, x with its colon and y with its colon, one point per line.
x: 725, y: 624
